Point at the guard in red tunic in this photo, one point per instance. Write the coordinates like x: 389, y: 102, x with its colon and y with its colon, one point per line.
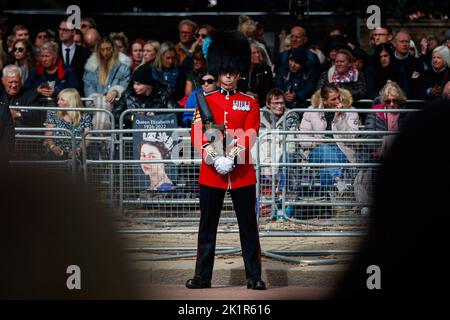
x: 224, y: 128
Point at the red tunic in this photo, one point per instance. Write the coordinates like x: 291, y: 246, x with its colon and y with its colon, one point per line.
x: 240, y: 115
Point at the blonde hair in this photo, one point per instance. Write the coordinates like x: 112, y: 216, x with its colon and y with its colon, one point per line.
x: 247, y: 26
x: 188, y: 22
x: 155, y: 44
x: 52, y: 47
x: 346, y: 96
x: 105, y: 67
x: 392, y: 88
x: 74, y: 101
x: 165, y: 47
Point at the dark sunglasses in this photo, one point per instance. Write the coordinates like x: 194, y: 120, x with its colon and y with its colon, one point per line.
x: 203, y: 35
x: 207, y: 81
x: 389, y: 101
x: 19, y: 49
x: 42, y: 36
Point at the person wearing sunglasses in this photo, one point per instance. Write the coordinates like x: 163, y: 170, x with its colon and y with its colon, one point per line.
x: 41, y: 38
x: 207, y: 84
x: 23, y: 57
x: 392, y: 97
x: 203, y: 31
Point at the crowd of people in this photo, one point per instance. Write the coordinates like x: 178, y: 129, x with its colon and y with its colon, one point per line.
x: 118, y: 73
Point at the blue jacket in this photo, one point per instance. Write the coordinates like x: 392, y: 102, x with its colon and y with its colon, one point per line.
x: 65, y: 78
x: 301, y: 83
x: 118, y: 79
x: 191, y: 103
x: 312, y: 64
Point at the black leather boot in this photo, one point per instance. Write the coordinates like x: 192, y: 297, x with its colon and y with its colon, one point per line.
x: 198, y: 283
x: 256, y: 284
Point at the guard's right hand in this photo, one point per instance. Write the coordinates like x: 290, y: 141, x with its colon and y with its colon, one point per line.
x: 223, y: 165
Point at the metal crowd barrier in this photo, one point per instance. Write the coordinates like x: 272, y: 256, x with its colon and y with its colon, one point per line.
x: 29, y: 150
x: 321, y: 213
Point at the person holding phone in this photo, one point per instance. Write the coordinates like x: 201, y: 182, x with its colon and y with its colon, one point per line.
x: 295, y: 80
x: 50, y: 76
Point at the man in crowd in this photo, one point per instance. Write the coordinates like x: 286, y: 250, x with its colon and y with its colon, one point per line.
x: 14, y: 94
x: 91, y: 37
x: 381, y: 34
x: 186, y: 29
x: 21, y: 32
x: 72, y: 54
x: 299, y: 39
x: 411, y: 65
x: 295, y: 80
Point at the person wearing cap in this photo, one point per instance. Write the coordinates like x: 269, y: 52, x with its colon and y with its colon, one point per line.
x: 143, y: 92
x: 226, y: 159
x: 295, y: 81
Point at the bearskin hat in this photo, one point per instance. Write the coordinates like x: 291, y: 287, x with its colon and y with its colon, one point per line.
x: 229, y: 51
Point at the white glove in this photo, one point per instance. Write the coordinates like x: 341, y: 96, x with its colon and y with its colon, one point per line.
x: 223, y: 165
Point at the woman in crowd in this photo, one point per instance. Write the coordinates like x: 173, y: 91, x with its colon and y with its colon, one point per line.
x: 193, y: 81
x: 330, y: 97
x: 344, y: 75
x: 23, y: 57
x: 435, y: 78
x: 203, y: 31
x: 143, y: 92
x: 151, y: 48
x: 50, y: 76
x: 120, y: 40
x: 260, y: 78
x: 167, y: 70
x: 106, y: 75
x: 384, y: 67
x: 76, y: 122
x: 136, y: 49
x: 333, y: 44
x: 207, y: 83
x: 392, y: 97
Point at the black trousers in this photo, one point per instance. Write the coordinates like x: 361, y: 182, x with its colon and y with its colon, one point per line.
x: 244, y: 202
